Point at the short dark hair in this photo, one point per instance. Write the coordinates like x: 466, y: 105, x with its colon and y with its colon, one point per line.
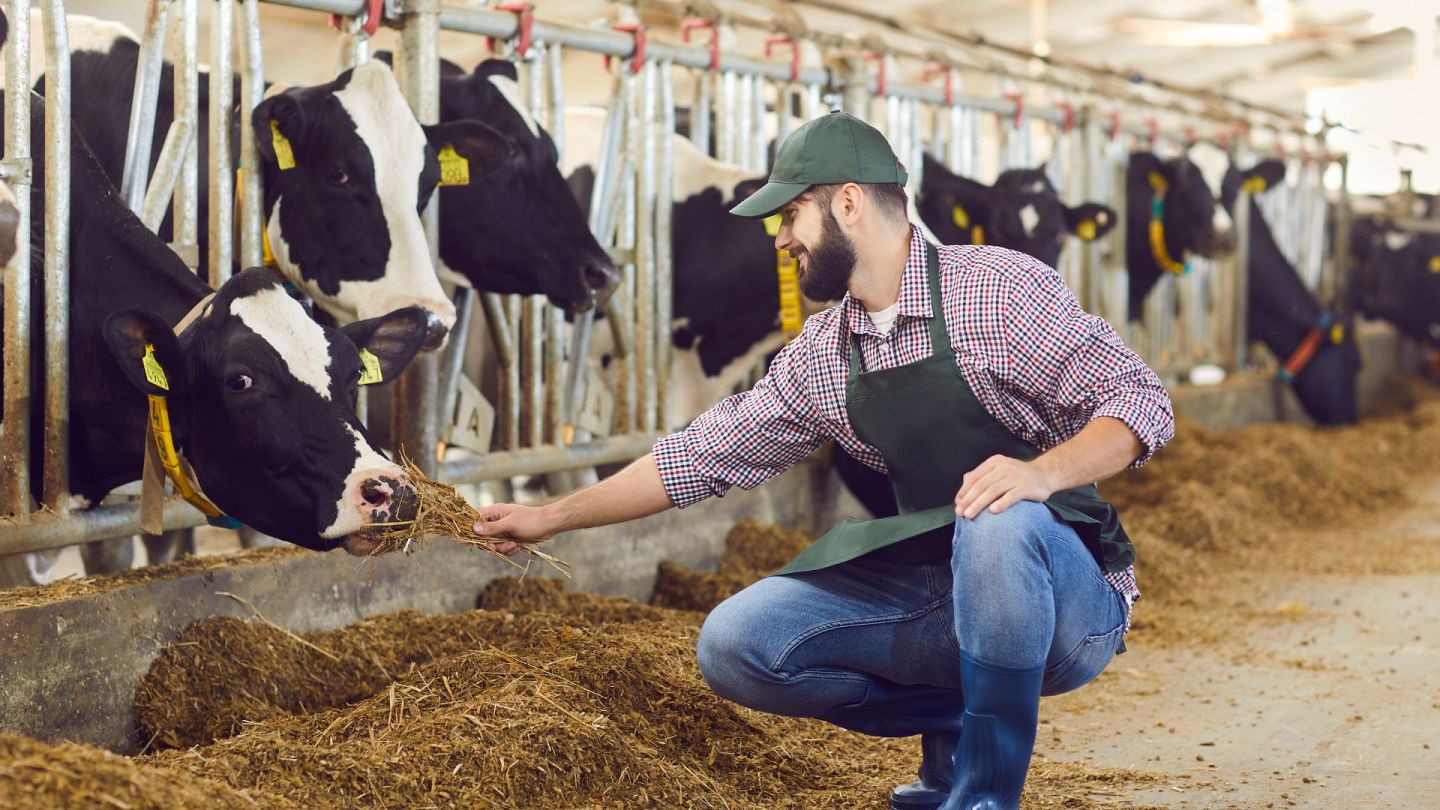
x: 889, y: 198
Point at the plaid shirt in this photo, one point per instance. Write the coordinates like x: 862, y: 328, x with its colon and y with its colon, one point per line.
x: 1036, y: 361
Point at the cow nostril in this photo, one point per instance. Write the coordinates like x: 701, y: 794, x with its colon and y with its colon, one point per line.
x: 601, y: 279
x: 435, y: 333
x: 375, y: 493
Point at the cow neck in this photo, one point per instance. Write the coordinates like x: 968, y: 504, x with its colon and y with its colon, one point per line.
x: 1158, y: 249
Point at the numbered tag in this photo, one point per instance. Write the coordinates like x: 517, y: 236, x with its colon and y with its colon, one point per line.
x: 370, y: 368
x: 1086, y: 230
x: 284, y: 155
x: 1254, y: 185
x: 473, y: 422
x: 960, y: 216
x: 772, y: 225
x: 787, y: 276
x: 1435, y: 264
x: 154, y: 374
x: 454, y: 169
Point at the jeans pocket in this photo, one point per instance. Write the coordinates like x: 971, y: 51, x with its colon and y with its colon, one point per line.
x: 1083, y: 664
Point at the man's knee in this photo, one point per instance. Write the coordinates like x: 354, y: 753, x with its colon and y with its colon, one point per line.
x: 732, y: 652
x: 991, y: 540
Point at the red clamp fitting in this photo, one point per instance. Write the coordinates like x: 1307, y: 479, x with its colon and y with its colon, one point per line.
x: 1019, y: 101
x: 880, y: 74
x: 1189, y: 131
x: 934, y: 68
x: 786, y: 39
x: 1114, y: 117
x: 374, y: 10
x: 1067, y: 110
x: 524, y: 27
x: 637, y: 60
x: 690, y: 25
x: 1154, y: 128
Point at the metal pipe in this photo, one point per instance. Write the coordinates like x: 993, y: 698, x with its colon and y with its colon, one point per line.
x: 141, y: 133
x: 55, y: 492
x: 725, y: 118
x: 185, y: 231
x: 556, y: 124
x: 1242, y: 280
x: 760, y: 143
x: 623, y: 306
x: 252, y: 92
x: 454, y: 362
x: 645, y: 249
x: 1340, y: 250
x: 412, y: 421
x: 15, y: 439
x: 167, y: 172
x: 100, y: 523
x: 534, y: 372
x: 555, y: 371
x: 700, y: 112
x: 494, y: 307
x: 664, y: 244
x: 497, y: 466
x: 511, y: 394
x: 222, y: 179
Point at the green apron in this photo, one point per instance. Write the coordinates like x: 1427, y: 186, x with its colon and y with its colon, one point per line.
x: 931, y: 430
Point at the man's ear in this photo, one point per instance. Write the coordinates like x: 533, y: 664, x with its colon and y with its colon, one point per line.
x: 1089, y: 221
x: 148, y: 352
x: 278, y: 146
x: 481, y: 146
x: 392, y: 339
x: 1264, y: 176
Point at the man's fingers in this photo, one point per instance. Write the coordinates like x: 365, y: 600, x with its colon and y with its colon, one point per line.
x: 1005, y: 501
x: 982, y: 481
x: 982, y: 499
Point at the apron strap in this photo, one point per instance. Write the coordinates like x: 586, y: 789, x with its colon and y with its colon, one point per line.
x: 939, y: 336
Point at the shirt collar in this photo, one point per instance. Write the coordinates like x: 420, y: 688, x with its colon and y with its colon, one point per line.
x: 914, y: 291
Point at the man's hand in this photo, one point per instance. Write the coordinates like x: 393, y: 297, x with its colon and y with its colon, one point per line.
x: 999, y: 483
x: 511, y: 523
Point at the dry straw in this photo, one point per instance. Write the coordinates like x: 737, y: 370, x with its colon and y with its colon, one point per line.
x: 441, y: 512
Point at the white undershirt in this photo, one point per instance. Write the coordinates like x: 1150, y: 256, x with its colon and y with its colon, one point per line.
x: 884, y: 320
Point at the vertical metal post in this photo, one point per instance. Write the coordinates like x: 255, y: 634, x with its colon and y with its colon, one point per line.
x: 745, y: 131
x: 15, y: 439
x: 187, y: 108
x: 252, y: 92
x: 644, y: 155
x: 855, y: 73
x: 725, y: 115
x: 1340, y: 250
x: 533, y: 326
x: 758, y: 158
x: 700, y: 112
x: 56, y: 484
x: 222, y: 180
x: 1242, y: 280
x: 140, y: 136
x: 814, y: 104
x: 664, y: 251
x: 513, y: 399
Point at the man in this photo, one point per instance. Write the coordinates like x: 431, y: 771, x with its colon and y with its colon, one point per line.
x: 971, y: 374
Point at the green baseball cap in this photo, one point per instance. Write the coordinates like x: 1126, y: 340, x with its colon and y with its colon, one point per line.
x: 834, y: 148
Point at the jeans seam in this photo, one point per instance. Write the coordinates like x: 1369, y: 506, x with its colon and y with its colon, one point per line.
x: 866, y: 622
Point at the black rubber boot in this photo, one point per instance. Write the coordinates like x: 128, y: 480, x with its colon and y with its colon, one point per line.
x: 937, y: 775
x: 1002, y: 706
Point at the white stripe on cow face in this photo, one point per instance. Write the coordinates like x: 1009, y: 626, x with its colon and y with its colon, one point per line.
x: 1213, y: 163
x: 349, y: 517
x: 281, y: 322
x: 511, y: 91
x: 387, y: 127
x: 1029, y: 218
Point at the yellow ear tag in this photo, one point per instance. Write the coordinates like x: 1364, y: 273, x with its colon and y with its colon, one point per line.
x: 961, y: 217
x: 1337, y: 334
x: 154, y: 374
x: 772, y: 225
x: 1086, y: 230
x: 1253, y: 185
x: 1435, y: 264
x: 370, y: 368
x: 284, y: 155
x: 787, y: 276
x: 454, y: 170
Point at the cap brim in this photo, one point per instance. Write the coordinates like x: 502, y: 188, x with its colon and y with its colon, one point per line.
x: 770, y: 198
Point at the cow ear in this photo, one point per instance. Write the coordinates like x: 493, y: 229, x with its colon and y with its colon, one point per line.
x: 1089, y: 221
x: 448, y: 68
x: 745, y: 188
x: 389, y: 59
x: 277, y: 144
x: 497, y: 67
x: 1265, y: 175
x: 483, y: 148
x: 391, y: 339
x: 148, y: 352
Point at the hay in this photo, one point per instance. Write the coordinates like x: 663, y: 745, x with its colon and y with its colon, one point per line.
x: 752, y: 550
x: 440, y: 511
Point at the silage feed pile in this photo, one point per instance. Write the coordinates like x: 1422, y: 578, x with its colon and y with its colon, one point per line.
x: 752, y: 550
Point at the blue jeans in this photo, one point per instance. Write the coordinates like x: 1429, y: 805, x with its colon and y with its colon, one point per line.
x: 874, y: 646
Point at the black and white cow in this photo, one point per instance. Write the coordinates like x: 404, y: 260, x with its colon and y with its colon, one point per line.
x: 1020, y: 211
x: 261, y: 397
x: 1395, y: 276
x: 343, y: 220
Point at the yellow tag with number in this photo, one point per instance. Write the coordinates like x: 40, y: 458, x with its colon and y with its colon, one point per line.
x: 772, y: 225
x: 1253, y: 185
x: 1337, y: 334
x: 154, y: 374
x: 1086, y: 230
x: 370, y: 368
x: 284, y: 155
x: 1435, y: 264
x: 454, y: 170
x: 792, y: 318
x: 960, y: 216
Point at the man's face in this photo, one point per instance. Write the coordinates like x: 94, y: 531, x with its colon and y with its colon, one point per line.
x: 825, y: 255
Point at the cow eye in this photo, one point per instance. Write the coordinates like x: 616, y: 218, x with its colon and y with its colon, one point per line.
x: 240, y: 382
x: 337, y: 176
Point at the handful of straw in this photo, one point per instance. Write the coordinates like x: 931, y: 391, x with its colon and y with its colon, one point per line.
x: 441, y: 512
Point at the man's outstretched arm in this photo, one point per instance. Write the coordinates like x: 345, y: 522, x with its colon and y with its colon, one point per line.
x: 634, y: 492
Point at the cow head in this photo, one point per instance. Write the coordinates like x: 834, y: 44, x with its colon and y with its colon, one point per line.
x: 347, y: 172
x: 1396, y: 277
x: 1022, y: 211
x: 262, y: 403
x: 514, y: 227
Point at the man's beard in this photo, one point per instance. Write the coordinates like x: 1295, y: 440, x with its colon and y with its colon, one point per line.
x: 827, y: 271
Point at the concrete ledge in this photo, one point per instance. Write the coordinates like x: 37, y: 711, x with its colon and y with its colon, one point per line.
x: 70, y: 668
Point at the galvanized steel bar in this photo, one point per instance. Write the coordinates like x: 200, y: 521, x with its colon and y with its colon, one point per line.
x: 454, y: 355
x: 1242, y: 280
x: 645, y: 250
x: 15, y: 439
x: 55, y: 491
x: 759, y: 160
x: 725, y: 115
x: 187, y: 108
x: 533, y: 329
x: 222, y: 178
x: 252, y: 92
x: 664, y: 244
x: 1340, y: 248
x: 700, y: 111
x: 512, y: 394
x: 173, y: 154
x: 499, y: 466
x: 115, y: 520
x: 141, y: 133
x: 498, y: 322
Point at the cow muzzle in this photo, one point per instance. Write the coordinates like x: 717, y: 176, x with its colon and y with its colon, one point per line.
x: 436, y: 330
x: 600, y: 279
x: 382, y: 498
